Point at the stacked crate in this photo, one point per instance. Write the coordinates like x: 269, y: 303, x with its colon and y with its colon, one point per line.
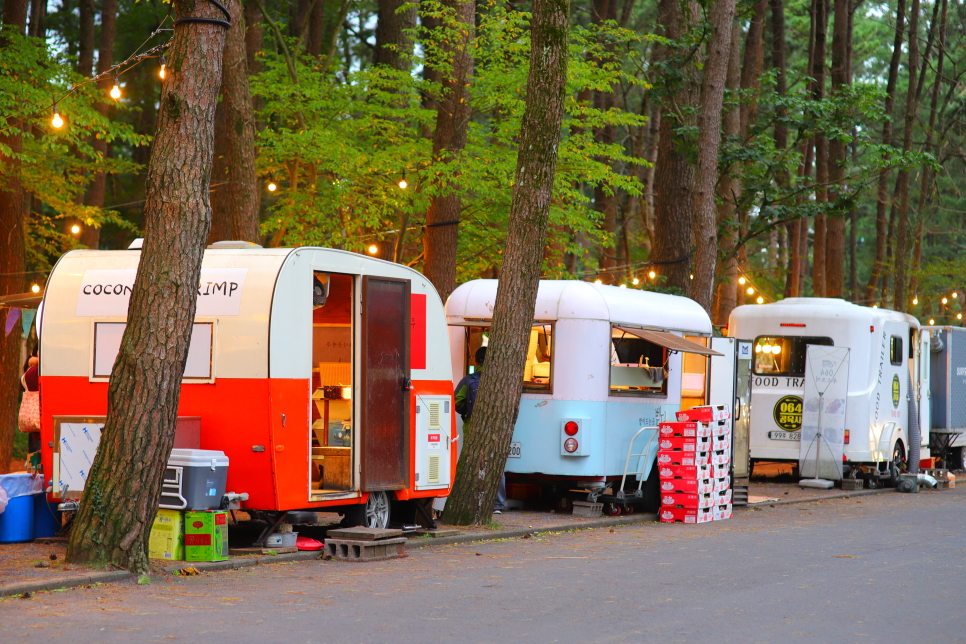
x: 694, y: 462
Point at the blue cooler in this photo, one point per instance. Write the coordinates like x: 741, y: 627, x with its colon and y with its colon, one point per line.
x: 17, y: 521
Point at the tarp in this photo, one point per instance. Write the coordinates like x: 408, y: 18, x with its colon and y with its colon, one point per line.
x: 21, y: 484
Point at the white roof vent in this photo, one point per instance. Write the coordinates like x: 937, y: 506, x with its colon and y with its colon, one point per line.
x: 136, y: 244
x: 230, y: 244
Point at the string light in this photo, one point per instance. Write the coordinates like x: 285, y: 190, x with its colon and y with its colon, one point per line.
x: 55, y: 120
x: 373, y: 249
x: 741, y: 280
x: 623, y: 285
x: 945, y: 301
x: 271, y: 186
x: 959, y: 316
x: 161, y: 73
x: 636, y: 281
x: 403, y: 184
x: 875, y: 306
x: 915, y: 301
x: 955, y: 294
x: 932, y: 322
x: 652, y: 274
x: 36, y: 289
x: 597, y: 281
x: 750, y: 291
x: 116, y: 90
x: 760, y: 300
x: 75, y: 229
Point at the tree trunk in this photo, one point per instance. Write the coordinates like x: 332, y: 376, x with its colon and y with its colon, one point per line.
x: 751, y: 68
x: 394, y: 43
x: 488, y: 433
x: 605, y: 201
x: 38, y: 13
x: 673, y: 172
x: 441, y: 236
x: 235, y: 204
x: 13, y: 260
x: 820, y: 20
x: 97, y: 190
x: 902, y: 181
x: 705, y: 237
x: 121, y: 496
x: 835, y: 239
x: 85, y: 44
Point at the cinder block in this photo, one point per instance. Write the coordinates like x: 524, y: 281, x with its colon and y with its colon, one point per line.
x: 353, y: 550
x: 852, y: 484
x: 587, y: 509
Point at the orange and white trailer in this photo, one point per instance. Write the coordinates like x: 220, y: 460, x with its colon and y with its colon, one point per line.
x: 323, y: 375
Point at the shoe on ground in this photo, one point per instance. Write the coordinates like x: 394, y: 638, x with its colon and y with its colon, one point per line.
x: 497, y: 511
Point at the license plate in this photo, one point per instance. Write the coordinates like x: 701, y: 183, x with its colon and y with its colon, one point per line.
x: 515, y: 450
x: 785, y: 436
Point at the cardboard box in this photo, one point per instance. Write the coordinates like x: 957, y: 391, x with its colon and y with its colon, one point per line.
x: 684, y: 429
x: 720, y: 470
x: 721, y: 512
x: 685, y: 515
x: 690, y: 472
x: 684, y: 500
x: 705, y: 414
x: 206, y: 535
x: 685, y: 443
x: 719, y: 443
x: 167, y: 536
x: 722, y: 497
x: 720, y: 457
x: 673, y: 457
x: 722, y: 483
x: 689, y: 486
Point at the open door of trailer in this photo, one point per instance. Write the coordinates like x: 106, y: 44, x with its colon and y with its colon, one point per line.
x: 384, y: 394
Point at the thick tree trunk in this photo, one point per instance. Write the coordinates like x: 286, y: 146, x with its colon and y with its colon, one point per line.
x: 835, y: 239
x: 673, y: 172
x: 236, y: 194
x: 605, y: 201
x: 13, y: 261
x: 441, y: 236
x: 704, y: 237
x: 489, y: 431
x: 899, y: 300
x: 820, y: 20
x: 85, y: 42
x: 751, y: 68
x: 394, y: 42
x: 38, y: 14
x: 882, y: 191
x: 97, y: 190
x: 122, y: 491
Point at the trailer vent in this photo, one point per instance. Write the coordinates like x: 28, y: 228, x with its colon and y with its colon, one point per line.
x: 433, y: 468
x: 434, y: 416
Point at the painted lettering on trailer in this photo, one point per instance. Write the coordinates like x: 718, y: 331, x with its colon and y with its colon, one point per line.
x: 106, y: 292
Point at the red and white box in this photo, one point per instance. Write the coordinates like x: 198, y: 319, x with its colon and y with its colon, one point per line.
x: 705, y: 414
x: 720, y: 470
x: 721, y: 497
x: 675, y: 457
x: 684, y: 429
x: 722, y: 483
x: 688, y: 486
x: 684, y: 500
x: 720, y: 428
x: 721, y: 512
x: 721, y: 457
x: 719, y: 443
x: 689, y: 472
x: 685, y: 515
x: 685, y: 443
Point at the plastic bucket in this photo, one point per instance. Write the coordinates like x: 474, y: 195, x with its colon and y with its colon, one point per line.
x: 46, y: 517
x: 17, y: 521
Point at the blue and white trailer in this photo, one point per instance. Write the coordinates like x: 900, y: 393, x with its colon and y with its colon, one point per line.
x: 603, y: 363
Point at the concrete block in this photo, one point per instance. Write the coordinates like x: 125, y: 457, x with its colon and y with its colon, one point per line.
x: 355, y: 550
x: 588, y: 509
x: 852, y: 484
x: 364, y: 534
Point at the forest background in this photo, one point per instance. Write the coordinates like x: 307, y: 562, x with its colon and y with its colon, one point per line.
x: 734, y: 152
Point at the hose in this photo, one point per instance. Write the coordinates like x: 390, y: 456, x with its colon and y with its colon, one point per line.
x: 915, y: 436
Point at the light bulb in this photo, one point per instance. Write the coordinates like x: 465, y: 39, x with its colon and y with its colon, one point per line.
x: 955, y: 294
x: 775, y: 350
x: 271, y: 187
x: 757, y: 348
x: 652, y: 274
x: 75, y: 229
x: 373, y: 249
x: 959, y: 316
x: 56, y: 121
x: 741, y: 280
x: 915, y: 301
x: 162, y: 72
x: 36, y: 289
x: 598, y: 282
x: 766, y: 348
x: 932, y: 322
x: 750, y: 291
x: 623, y: 285
x: 403, y: 184
x: 760, y: 300
x: 875, y: 306
x: 636, y: 281
x: 116, y: 90
x: 945, y: 300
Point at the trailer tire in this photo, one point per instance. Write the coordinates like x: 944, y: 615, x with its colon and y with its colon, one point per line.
x: 898, y: 464
x: 374, y: 513
x: 957, y: 459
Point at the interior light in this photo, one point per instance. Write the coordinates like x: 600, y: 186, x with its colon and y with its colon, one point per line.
x: 766, y: 348
x: 775, y: 350
x: 36, y: 289
x: 271, y: 186
x: 757, y: 348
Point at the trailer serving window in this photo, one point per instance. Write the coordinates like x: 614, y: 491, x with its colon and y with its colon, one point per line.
x: 637, y: 367
x: 537, y: 375
x: 784, y: 355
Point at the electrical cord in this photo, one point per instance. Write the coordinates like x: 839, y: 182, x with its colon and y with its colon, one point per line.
x: 211, y: 21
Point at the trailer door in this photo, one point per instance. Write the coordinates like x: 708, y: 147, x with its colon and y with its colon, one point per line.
x: 384, y: 380
x: 924, y: 400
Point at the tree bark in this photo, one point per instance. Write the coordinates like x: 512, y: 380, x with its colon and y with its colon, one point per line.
x: 673, y: 171
x: 841, y: 81
x: 13, y: 260
x: 394, y: 42
x: 441, y: 236
x: 902, y: 180
x: 121, y: 496
x: 605, y: 201
x: 820, y: 20
x: 38, y: 13
x: 236, y: 202
x: 85, y: 44
x: 705, y: 237
x: 97, y: 190
x: 487, y: 435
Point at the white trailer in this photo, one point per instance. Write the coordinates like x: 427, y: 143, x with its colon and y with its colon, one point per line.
x: 889, y: 363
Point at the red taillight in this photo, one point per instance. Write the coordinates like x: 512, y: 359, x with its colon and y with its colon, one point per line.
x: 571, y: 429
x: 846, y: 437
x: 792, y: 324
x: 570, y: 444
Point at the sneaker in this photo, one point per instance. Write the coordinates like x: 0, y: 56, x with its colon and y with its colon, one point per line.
x: 497, y: 511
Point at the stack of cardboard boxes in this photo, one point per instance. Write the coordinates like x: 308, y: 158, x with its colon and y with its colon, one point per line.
x: 694, y: 463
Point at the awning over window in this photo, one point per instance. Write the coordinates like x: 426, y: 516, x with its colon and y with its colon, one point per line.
x: 669, y: 341
x: 21, y: 300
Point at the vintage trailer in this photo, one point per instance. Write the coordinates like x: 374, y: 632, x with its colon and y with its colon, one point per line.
x: 602, y: 363
x: 308, y: 367
x: 888, y: 353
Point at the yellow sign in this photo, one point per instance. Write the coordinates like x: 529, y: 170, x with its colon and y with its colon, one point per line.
x: 895, y: 391
x: 788, y: 413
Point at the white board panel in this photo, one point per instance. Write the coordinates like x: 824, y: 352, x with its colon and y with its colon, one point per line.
x: 107, y: 343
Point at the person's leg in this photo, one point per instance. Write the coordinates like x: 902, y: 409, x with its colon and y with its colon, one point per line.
x: 500, y: 495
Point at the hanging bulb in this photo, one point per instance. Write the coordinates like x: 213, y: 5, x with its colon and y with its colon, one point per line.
x: 36, y: 289
x: 751, y: 291
x: 945, y: 301
x: 597, y: 281
x: 915, y: 301
x: 373, y: 249
x: 161, y: 73
x: 116, y: 90
x: 652, y: 274
x: 403, y: 184
x: 636, y: 281
x: 271, y: 186
x: 75, y: 229
x: 56, y: 121
x: 761, y: 300
x: 741, y: 280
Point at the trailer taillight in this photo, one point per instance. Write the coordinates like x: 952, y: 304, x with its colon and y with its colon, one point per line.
x: 796, y: 324
x: 570, y: 445
x: 571, y: 429
x: 846, y: 437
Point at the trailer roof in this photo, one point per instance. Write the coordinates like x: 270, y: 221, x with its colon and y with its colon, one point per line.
x: 578, y: 300
x: 795, y: 309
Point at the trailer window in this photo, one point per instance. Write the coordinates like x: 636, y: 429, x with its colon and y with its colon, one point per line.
x: 784, y: 355
x: 637, y: 367
x: 895, y: 350
x: 537, y: 374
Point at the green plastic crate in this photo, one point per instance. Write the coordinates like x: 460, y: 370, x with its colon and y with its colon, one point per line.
x: 206, y: 535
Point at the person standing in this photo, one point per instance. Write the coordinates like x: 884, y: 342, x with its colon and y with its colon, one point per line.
x: 465, y: 400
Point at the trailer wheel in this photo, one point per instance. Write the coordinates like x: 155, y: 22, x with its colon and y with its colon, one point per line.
x: 565, y: 504
x: 957, y: 459
x: 612, y: 509
x: 374, y: 514
x: 898, y: 464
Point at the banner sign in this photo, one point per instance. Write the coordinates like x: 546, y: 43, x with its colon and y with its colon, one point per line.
x: 823, y: 412
x: 106, y: 292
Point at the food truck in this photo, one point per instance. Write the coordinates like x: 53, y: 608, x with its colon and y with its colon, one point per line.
x: 312, y: 369
x: 604, y: 365
x: 888, y: 384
